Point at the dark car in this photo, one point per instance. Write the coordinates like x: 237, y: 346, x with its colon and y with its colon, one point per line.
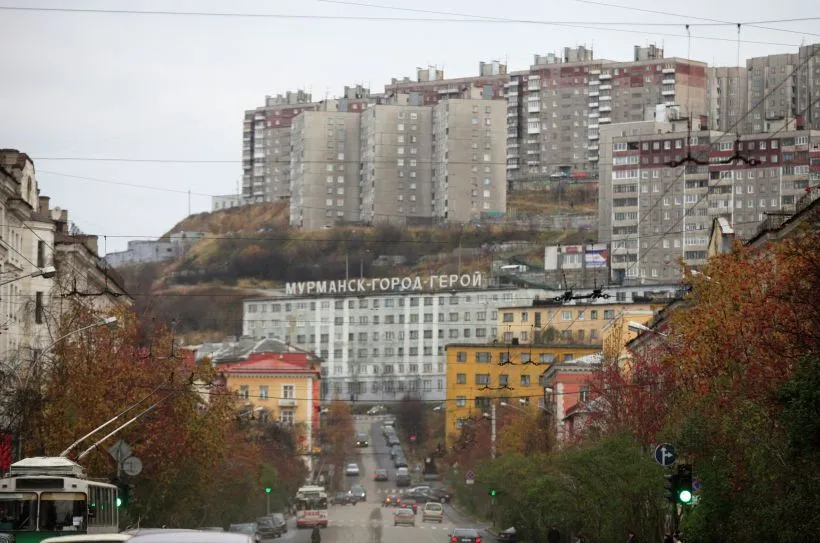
x: 380, y: 475
x: 400, y: 462
x: 250, y: 529
x: 267, y: 528
x: 280, y: 522
x: 342, y: 498
x: 465, y: 535
x: 362, y: 441
x: 409, y: 503
x: 358, y: 494
x: 393, y: 500
x: 441, y: 494
x: 402, y: 479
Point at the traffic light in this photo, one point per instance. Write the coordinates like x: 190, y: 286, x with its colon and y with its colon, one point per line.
x: 671, y: 485
x: 123, y: 494
x: 267, y: 490
x: 493, y: 492
x: 684, y: 486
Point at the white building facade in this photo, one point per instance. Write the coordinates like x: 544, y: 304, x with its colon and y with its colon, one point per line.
x: 380, y: 339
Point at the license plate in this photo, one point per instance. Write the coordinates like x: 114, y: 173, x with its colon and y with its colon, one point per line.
x: 465, y: 540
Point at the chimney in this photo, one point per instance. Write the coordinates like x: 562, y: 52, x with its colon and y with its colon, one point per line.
x: 44, y: 204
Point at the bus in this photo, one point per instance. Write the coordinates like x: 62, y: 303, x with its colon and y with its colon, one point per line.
x: 44, y: 497
x: 311, y: 507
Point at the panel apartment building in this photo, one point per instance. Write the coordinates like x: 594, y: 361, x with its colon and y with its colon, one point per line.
x: 556, y: 108
x: 655, y: 214
x: 411, y: 164
x: 266, y: 140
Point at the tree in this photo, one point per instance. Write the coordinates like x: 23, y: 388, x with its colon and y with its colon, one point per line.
x: 411, y: 416
x: 337, y: 439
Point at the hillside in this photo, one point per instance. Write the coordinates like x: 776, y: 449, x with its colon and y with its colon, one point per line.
x: 251, y: 249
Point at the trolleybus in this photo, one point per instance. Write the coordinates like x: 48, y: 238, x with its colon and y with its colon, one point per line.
x: 44, y: 497
x: 311, y: 507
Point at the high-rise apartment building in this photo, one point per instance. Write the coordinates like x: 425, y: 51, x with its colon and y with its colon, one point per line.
x: 555, y: 110
x: 396, y: 170
x: 469, y: 174
x: 324, y: 169
x: 772, y: 92
x: 430, y: 87
x: 727, y: 98
x: 808, y: 85
x: 266, y: 146
x: 660, y: 214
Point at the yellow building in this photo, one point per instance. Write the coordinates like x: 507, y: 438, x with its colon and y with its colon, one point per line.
x: 477, y: 374
x: 283, y: 387
x: 617, y: 333
x: 546, y: 321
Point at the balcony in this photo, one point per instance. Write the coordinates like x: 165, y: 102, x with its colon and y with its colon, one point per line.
x: 605, y: 108
x: 593, y: 82
x: 594, y: 136
x: 594, y: 114
x: 606, y: 87
x: 287, y: 402
x: 594, y: 94
x: 668, y: 81
x: 593, y: 104
x: 534, y: 108
x: 604, y: 120
x: 605, y: 97
x: 605, y: 76
x: 668, y: 70
x: 594, y: 72
x: 593, y: 126
x: 668, y: 92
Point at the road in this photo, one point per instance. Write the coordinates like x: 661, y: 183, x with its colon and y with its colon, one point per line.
x: 368, y: 522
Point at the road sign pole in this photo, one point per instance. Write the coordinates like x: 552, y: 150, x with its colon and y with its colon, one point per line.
x: 267, y: 503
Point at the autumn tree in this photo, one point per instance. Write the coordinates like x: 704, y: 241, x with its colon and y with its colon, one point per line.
x: 338, y: 439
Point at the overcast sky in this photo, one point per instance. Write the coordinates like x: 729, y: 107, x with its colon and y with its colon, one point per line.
x: 95, y: 85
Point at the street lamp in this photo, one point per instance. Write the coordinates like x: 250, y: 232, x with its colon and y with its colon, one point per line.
x: 46, y: 272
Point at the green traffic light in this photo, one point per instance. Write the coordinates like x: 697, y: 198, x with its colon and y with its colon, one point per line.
x: 685, y: 496
x: 119, y: 501
x: 267, y: 490
x: 492, y: 492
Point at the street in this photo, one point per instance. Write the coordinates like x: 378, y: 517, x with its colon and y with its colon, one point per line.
x: 368, y: 522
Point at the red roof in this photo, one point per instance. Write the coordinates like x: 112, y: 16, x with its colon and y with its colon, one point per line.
x: 273, y: 364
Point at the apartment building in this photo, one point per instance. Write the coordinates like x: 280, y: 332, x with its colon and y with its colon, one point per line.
x: 469, y: 174
x: 660, y: 214
x: 396, y: 171
x: 266, y: 135
x: 324, y: 169
x: 380, y: 344
x: 556, y: 109
x: 808, y: 85
x: 430, y: 87
x: 728, y: 98
x: 772, y: 92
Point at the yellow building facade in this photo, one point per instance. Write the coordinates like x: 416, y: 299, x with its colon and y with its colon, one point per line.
x: 272, y: 389
x: 477, y: 375
x: 551, y: 322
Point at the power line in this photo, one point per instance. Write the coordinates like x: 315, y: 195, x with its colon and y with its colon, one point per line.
x: 590, y: 25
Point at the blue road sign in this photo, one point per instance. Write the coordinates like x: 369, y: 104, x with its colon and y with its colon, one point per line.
x: 665, y: 454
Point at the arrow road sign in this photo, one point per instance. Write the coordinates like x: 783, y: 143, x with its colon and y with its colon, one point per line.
x: 665, y: 454
x: 120, y: 450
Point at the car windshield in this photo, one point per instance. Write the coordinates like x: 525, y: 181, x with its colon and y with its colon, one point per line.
x: 405, y: 512
x: 465, y: 532
x: 352, y: 466
x: 279, y: 517
x: 63, y: 511
x: 433, y: 507
x: 18, y: 511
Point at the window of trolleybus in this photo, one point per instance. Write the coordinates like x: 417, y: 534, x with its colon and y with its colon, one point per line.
x: 18, y: 511
x: 63, y: 511
x: 311, y: 504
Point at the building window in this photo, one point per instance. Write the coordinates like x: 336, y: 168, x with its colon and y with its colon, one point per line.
x: 263, y: 392
x: 461, y: 378
x: 288, y: 392
x: 38, y: 308
x: 286, y: 416
x: 41, y: 254
x: 244, y: 392
x: 583, y: 394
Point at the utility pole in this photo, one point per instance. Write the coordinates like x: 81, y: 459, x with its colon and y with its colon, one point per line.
x: 492, y: 430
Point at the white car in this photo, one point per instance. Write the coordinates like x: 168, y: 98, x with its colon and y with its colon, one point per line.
x: 352, y: 469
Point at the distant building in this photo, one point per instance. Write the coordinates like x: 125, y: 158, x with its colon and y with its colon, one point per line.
x: 146, y: 251
x: 577, y: 265
x: 227, y: 201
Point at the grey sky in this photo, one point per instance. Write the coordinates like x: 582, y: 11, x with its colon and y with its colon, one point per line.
x: 176, y: 87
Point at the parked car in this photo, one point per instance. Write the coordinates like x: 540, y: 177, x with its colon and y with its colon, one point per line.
x: 380, y: 475
x: 280, y: 522
x: 250, y: 529
x: 352, y: 469
x: 402, y: 479
x: 405, y: 517
x: 267, y: 529
x: 432, y: 511
x: 400, y: 461
x: 342, y: 498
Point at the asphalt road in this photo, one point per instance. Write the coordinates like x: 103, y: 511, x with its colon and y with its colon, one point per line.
x: 368, y: 522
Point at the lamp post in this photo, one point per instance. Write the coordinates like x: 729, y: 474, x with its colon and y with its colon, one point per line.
x: 46, y: 272
x: 24, y: 383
